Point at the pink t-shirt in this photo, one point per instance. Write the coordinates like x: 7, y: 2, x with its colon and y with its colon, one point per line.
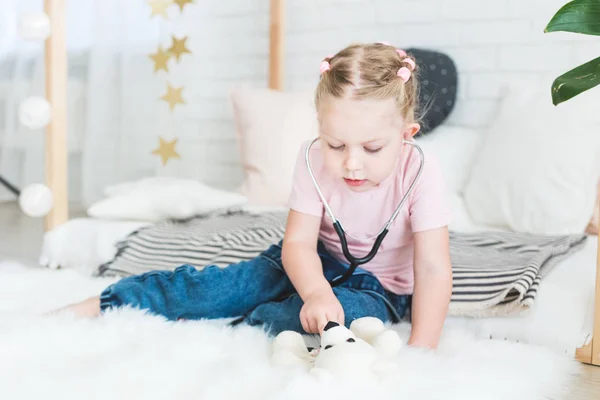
x: 364, y: 214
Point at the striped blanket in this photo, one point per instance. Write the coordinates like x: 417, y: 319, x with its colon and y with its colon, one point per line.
x: 494, y: 273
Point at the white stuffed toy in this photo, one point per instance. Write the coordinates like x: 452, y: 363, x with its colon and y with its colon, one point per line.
x: 365, y: 351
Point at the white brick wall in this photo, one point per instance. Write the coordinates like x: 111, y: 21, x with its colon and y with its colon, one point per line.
x: 492, y: 43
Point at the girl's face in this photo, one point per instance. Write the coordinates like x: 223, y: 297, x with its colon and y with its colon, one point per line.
x: 362, y: 139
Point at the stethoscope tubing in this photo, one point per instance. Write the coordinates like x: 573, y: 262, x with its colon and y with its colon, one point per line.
x: 354, y: 261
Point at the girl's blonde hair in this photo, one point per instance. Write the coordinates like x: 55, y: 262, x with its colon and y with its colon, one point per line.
x: 371, y: 71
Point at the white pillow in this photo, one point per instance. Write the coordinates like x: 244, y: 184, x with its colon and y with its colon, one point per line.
x: 155, y: 199
x: 455, y: 147
x: 271, y: 127
x: 539, y: 164
x: 84, y: 243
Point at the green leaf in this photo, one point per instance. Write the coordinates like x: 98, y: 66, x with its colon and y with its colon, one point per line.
x: 578, y: 16
x: 576, y: 81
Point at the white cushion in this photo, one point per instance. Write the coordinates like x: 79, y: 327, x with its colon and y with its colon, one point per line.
x: 538, y: 166
x: 455, y: 147
x: 159, y: 198
x: 85, y: 243
x: 271, y: 127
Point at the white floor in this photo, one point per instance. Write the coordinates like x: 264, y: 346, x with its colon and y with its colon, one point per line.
x: 20, y: 240
x: 20, y: 235
x: 127, y: 352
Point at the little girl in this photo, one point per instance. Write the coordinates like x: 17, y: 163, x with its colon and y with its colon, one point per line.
x: 365, y: 102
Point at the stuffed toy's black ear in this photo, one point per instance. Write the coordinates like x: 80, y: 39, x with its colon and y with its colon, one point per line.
x: 330, y: 325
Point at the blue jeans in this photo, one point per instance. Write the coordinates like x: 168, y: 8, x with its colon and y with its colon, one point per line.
x: 257, y: 291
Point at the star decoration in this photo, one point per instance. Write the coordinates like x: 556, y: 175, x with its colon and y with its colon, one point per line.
x: 173, y: 96
x: 166, y: 150
x: 178, y: 47
x: 159, y: 7
x: 183, y: 3
x: 160, y: 58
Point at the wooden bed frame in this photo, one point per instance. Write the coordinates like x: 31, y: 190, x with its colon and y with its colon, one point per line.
x: 56, y: 138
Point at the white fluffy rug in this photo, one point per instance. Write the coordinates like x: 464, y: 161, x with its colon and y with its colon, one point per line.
x: 128, y: 354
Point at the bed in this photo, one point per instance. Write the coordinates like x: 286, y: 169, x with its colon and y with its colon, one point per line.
x: 579, y: 319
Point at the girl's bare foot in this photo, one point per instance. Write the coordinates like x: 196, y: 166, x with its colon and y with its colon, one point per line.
x: 86, y: 308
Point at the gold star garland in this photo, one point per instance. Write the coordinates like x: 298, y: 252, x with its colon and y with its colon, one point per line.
x: 178, y: 47
x: 173, y: 96
x: 166, y: 150
x: 159, y: 7
x: 160, y: 58
x: 183, y: 3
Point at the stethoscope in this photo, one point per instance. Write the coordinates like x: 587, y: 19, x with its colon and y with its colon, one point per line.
x: 356, y: 261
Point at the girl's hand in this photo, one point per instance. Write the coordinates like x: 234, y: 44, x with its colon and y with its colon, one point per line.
x: 320, y: 308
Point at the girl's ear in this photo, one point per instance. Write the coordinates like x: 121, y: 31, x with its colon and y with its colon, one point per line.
x: 411, y: 130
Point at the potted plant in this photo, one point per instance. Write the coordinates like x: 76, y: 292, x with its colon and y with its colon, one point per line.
x: 577, y: 16
x: 581, y: 16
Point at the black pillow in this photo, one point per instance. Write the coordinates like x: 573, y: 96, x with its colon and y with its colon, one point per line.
x: 438, y: 87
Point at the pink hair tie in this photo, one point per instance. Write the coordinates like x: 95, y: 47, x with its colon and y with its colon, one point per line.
x: 404, y: 73
x: 410, y: 62
x: 401, y: 52
x: 324, y: 67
